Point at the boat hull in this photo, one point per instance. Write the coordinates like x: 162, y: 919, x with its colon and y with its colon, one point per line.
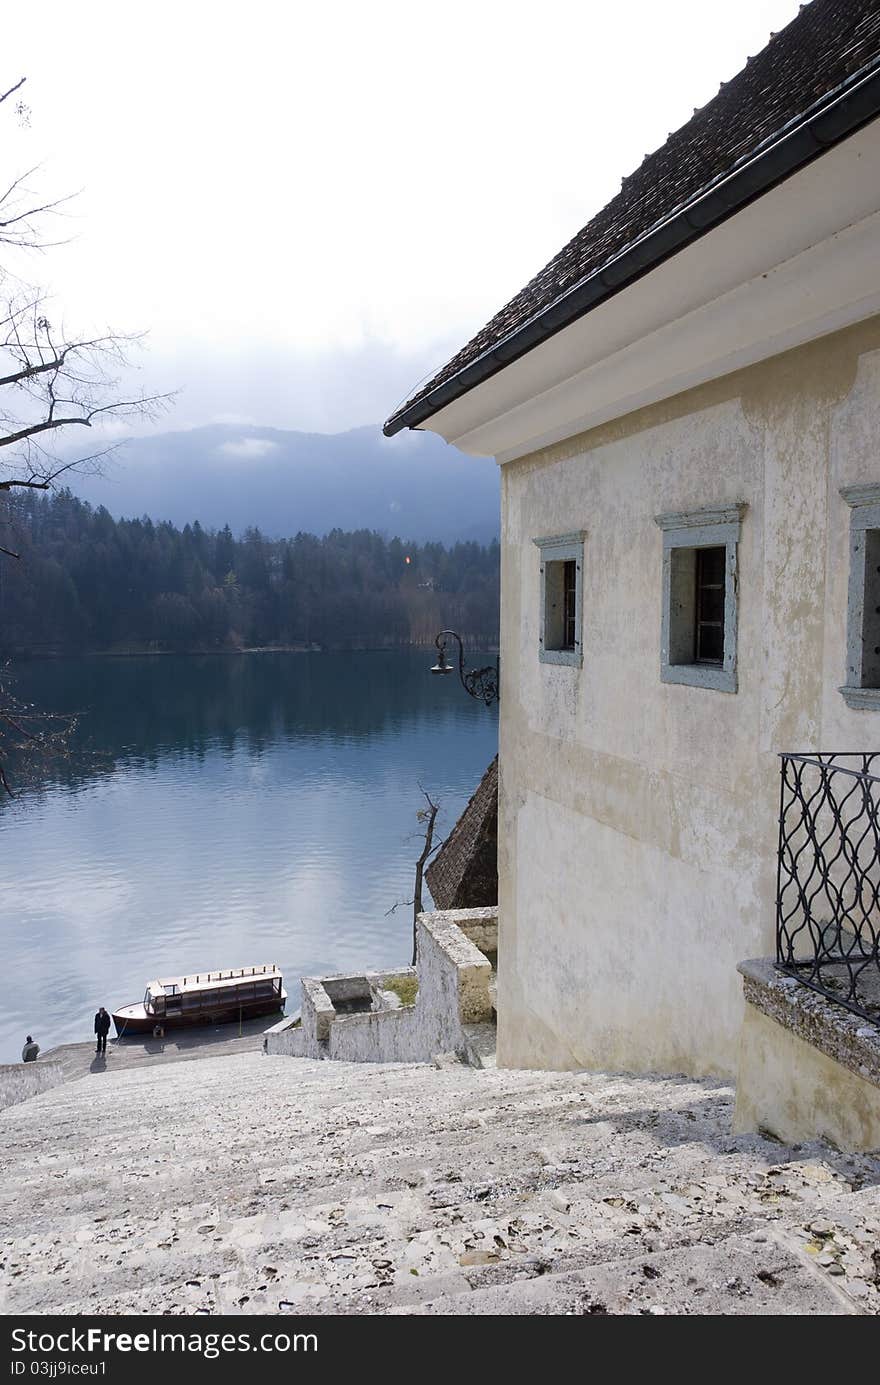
x: 133, y: 1019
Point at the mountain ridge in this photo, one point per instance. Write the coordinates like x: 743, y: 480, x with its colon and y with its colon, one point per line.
x: 285, y: 481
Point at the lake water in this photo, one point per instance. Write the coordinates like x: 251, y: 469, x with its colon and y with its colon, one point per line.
x: 223, y: 811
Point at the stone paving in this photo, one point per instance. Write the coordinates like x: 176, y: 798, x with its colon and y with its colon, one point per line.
x: 250, y: 1184
x: 208, y: 1041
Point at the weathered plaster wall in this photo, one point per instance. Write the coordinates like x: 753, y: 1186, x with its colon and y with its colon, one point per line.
x: 637, y: 819
x: 808, y: 1069
x: 788, y: 1088
x: 18, y: 1081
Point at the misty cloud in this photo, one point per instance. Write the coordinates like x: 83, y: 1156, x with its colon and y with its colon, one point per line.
x: 248, y: 448
x: 249, y: 387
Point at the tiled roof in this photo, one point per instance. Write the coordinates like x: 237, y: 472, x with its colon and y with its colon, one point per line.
x: 826, y: 45
x: 464, y: 873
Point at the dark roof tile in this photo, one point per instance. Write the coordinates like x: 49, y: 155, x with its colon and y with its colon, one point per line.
x: 464, y: 873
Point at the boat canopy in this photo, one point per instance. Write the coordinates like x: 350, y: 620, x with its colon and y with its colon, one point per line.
x: 209, y: 980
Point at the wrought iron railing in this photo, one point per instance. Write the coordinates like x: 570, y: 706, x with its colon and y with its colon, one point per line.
x: 828, y: 883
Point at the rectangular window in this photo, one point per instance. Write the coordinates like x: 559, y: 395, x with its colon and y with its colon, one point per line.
x: 862, y: 687
x: 561, y: 599
x: 698, y: 635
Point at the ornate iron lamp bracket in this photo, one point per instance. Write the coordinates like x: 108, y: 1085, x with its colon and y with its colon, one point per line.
x: 481, y: 683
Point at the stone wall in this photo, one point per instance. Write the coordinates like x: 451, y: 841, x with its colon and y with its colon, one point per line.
x: 479, y: 926
x: 454, y: 975
x: 19, y: 1081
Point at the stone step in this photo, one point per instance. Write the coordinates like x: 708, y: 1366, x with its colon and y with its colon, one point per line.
x: 253, y: 1184
x: 737, y: 1276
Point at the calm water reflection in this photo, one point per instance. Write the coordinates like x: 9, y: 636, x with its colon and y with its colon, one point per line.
x: 222, y: 811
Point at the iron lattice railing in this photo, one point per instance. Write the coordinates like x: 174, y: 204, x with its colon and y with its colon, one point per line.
x: 828, y: 883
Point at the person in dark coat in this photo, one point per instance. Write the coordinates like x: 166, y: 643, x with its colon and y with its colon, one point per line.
x: 102, y: 1029
x: 30, y: 1051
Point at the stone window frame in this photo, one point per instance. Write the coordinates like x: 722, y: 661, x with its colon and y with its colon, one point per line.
x: 714, y: 527
x: 562, y: 548
x: 864, y: 503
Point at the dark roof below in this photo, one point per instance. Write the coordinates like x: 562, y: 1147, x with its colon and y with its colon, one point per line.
x: 464, y: 873
x: 829, y: 45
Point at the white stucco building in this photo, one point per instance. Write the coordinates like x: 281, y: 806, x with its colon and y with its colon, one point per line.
x: 685, y: 405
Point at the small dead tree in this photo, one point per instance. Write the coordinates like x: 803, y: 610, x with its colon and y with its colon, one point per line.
x: 427, y: 818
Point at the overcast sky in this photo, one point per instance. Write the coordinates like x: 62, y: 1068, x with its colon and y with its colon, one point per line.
x: 310, y: 206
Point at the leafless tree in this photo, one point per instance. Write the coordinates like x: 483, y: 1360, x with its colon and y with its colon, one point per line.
x: 53, y: 385
x: 427, y: 817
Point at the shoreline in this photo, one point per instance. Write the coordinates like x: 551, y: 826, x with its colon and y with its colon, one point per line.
x: 58, y: 657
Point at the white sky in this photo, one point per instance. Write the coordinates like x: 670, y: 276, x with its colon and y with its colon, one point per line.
x: 311, y: 206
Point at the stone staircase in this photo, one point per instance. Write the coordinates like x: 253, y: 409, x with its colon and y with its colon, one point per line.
x: 254, y: 1184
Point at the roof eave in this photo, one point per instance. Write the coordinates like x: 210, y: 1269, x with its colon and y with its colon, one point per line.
x: 856, y: 105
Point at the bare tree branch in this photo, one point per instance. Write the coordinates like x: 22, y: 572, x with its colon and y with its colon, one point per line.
x: 50, y: 423
x: 428, y: 816
x: 39, y: 209
x: 399, y: 904
x: 52, y: 386
x: 29, y: 372
x: 12, y: 90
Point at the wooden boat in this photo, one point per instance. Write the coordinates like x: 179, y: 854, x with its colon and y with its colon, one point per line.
x: 206, y: 997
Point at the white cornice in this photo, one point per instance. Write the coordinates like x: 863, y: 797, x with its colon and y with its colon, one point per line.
x: 798, y: 263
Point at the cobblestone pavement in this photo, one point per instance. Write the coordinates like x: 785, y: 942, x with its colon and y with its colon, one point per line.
x: 248, y: 1184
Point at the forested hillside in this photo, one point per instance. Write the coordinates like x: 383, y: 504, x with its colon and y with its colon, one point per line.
x: 84, y: 581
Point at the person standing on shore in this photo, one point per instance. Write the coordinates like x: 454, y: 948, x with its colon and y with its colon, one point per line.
x: 102, y: 1029
x: 30, y: 1051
